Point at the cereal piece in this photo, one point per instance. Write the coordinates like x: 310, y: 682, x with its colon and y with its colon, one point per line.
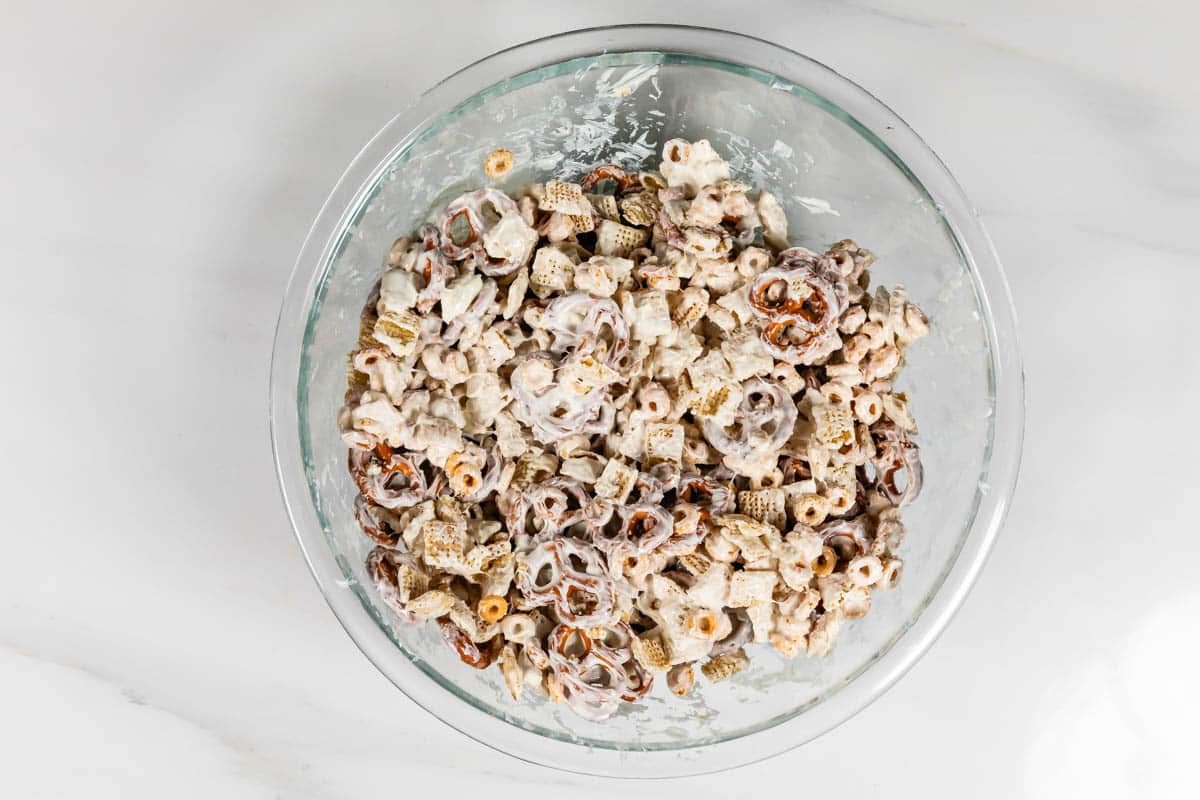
x: 774, y: 220
x: 809, y: 509
x: 664, y: 442
x: 616, y: 481
x: 498, y: 164
x: 725, y: 666
x: 834, y: 425
x: 692, y: 165
x: 764, y: 505
x: 825, y: 563
x: 651, y: 653
x: 615, y: 239
x: 681, y: 679
x: 565, y: 197
x: 748, y: 587
x: 492, y: 608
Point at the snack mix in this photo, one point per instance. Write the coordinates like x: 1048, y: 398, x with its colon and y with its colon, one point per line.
x: 617, y: 428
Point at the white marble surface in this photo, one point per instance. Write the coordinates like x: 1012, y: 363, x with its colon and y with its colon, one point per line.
x: 159, y: 633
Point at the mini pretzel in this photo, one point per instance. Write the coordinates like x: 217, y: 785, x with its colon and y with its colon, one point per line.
x: 474, y: 314
x: 778, y: 293
x: 548, y: 576
x: 383, y: 570
x: 764, y: 421
x: 377, y: 522
x: 473, y: 473
x: 589, y: 325
x: 479, y: 656
x: 788, y: 340
x: 388, y: 478
x: 596, y: 669
x: 640, y: 529
x: 848, y: 537
x: 625, y: 180
x: 549, y: 508
x: 896, y: 454
x: 469, y: 208
x: 552, y: 410
x: 434, y: 270
x: 711, y: 495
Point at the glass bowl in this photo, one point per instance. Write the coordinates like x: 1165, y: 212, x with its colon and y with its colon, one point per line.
x: 845, y: 166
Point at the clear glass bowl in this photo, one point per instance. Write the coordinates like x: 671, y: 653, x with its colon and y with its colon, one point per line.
x: 845, y: 166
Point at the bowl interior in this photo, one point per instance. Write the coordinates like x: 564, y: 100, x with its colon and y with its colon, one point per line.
x: 837, y: 179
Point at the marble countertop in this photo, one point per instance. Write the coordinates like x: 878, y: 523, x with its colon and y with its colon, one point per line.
x: 160, y: 635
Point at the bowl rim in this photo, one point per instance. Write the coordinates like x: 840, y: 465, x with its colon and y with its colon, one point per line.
x: 903, y: 146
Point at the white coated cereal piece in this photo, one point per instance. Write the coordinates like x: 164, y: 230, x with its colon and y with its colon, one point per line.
x: 640, y: 209
x: 432, y: 604
x: 748, y: 534
x: 510, y: 436
x: 459, y: 294
x: 496, y: 342
x: 486, y: 397
x: 584, y: 375
x: 385, y: 373
x: 852, y: 320
x: 834, y: 425
x: 664, y: 442
x: 719, y: 548
x: 746, y: 354
x: 516, y: 294
x: 713, y: 270
x: 836, y: 393
x: 511, y: 670
x: 403, y: 255
x: 648, y: 313
x: 688, y: 306
x: 445, y: 546
x: 865, y: 570
x: 616, y: 481
x: 653, y: 401
x: 752, y: 261
x: 725, y: 666
x: 437, y: 437
x: 398, y: 331
x: 881, y: 363
x: 444, y: 364
x: 518, y: 627
x: 747, y: 587
x: 397, y: 291
x: 673, y: 353
x: 722, y: 317
x: 738, y: 302
x: 651, y: 652
x: 376, y: 416
x: 825, y: 631
x: 600, y: 276
x: 849, y: 374
x: 615, y: 239
x: 762, y: 619
x: 511, y: 239
x: 774, y: 220
x: 585, y: 467
x: 553, y: 272
x: 895, y: 408
x: 764, y: 505
x: 711, y: 587
x: 788, y: 377
x: 868, y: 407
x: 564, y: 197
x: 892, y: 568
x: 692, y: 165
x: 605, y: 205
